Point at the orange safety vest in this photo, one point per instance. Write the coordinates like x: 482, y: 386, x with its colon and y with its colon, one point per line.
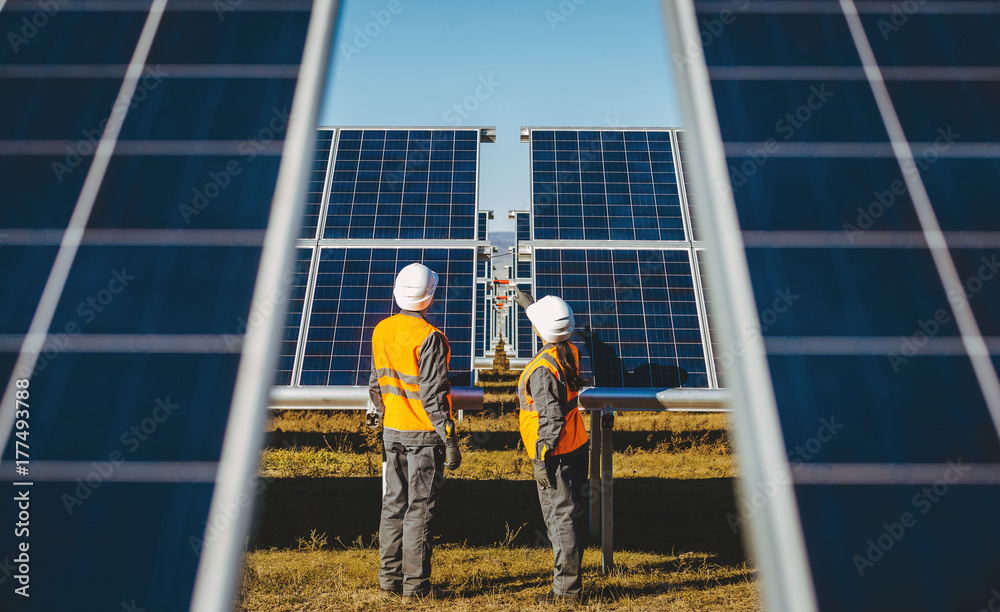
x: 573, y: 435
x: 396, y: 344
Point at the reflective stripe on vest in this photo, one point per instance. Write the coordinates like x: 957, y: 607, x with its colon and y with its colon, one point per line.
x: 396, y: 344
x: 573, y: 435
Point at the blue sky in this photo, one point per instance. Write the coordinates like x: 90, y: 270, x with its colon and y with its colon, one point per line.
x: 507, y: 64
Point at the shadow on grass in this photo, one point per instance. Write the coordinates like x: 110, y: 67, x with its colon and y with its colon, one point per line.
x: 651, y: 514
x: 505, y: 440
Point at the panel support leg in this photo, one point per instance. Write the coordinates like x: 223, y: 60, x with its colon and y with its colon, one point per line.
x: 607, y: 492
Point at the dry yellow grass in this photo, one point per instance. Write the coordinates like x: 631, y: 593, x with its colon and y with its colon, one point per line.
x: 669, y: 448
x: 495, y: 578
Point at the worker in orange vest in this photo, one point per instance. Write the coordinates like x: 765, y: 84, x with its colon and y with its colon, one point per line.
x: 411, y: 393
x: 555, y: 439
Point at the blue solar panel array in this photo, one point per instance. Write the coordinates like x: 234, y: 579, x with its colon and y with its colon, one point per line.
x: 522, y: 226
x: 525, y: 334
x: 692, y: 209
x: 317, y: 183
x: 604, y: 185
x: 859, y: 326
x: 482, y: 230
x: 636, y: 313
x: 720, y: 357
x: 483, y: 321
x: 404, y: 184
x: 354, y: 292
x: 137, y: 370
x: 299, y: 281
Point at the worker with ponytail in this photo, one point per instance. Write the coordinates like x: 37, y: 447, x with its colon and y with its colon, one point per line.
x: 555, y: 439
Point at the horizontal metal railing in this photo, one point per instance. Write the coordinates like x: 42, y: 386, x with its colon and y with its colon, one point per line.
x: 471, y: 398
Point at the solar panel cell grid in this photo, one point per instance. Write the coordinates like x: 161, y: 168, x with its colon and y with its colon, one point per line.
x: 293, y: 320
x: 140, y: 335
x: 635, y: 310
x: 354, y: 292
x: 523, y: 226
x: 404, y: 184
x: 184, y: 192
x: 870, y: 340
x: 317, y: 183
x: 483, y: 321
x: 481, y: 231
x: 719, y: 356
x: 525, y: 334
x: 604, y: 185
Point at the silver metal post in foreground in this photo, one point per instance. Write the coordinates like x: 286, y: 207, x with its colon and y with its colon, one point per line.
x: 775, y: 533
x: 607, y: 492
x: 595, y: 476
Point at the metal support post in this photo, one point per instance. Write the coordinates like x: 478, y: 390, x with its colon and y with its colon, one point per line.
x: 595, y: 475
x: 607, y: 492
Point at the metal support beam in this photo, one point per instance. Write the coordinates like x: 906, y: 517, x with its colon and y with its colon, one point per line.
x: 607, y: 492
x: 671, y: 400
x: 354, y: 398
x: 595, y: 476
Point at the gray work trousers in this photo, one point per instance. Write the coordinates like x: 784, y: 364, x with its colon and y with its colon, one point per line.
x: 565, y: 513
x: 413, y: 478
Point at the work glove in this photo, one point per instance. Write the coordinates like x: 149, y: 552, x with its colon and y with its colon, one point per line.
x: 542, y: 474
x: 372, y: 420
x: 452, y: 454
x: 523, y: 299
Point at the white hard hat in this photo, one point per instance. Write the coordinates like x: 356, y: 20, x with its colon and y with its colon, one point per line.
x: 415, y: 285
x: 552, y: 317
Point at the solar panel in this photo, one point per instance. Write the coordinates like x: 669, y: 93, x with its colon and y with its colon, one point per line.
x: 483, y: 321
x: 720, y: 358
x: 354, y: 292
x: 139, y: 160
x: 404, y: 184
x: 604, y: 185
x: 525, y: 334
x: 522, y: 226
x: 481, y: 231
x: 317, y: 183
x: 636, y: 311
x: 522, y: 271
x: 860, y: 144
x: 686, y: 183
x: 299, y: 282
